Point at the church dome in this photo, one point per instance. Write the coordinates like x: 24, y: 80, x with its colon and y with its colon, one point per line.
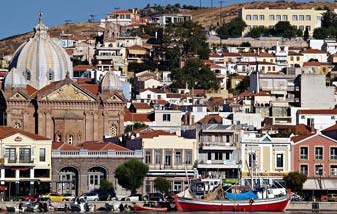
x: 110, y: 82
x: 39, y: 61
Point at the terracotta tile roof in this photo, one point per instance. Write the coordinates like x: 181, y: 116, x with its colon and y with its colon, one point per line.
x: 137, y: 47
x: 249, y: 54
x: 246, y: 94
x: 217, y: 100
x: 231, y: 55
x: 154, y: 133
x: 120, y: 12
x: 317, y: 111
x: 292, y: 53
x: 300, y: 137
x: 210, y: 119
x: 299, y: 129
x: 141, y: 106
x: 260, y: 63
x: 313, y: 51
x: 155, y: 90
x: 214, y: 55
x: 30, y: 89
x: 64, y: 146
x: 46, y: 88
x: 263, y: 54
x: 95, y: 146
x: 6, y: 131
x: 262, y: 93
x: 93, y: 88
x: 83, y: 67
x: 312, y: 64
x: 136, y: 117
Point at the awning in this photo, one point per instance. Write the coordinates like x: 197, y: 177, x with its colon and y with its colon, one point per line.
x: 314, y: 184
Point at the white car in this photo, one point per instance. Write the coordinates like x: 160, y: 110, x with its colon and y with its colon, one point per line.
x: 69, y: 197
x: 90, y: 196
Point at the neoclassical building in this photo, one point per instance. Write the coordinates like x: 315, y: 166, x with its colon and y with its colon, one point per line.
x: 39, y: 96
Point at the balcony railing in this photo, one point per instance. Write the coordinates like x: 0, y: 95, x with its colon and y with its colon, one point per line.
x: 218, y: 146
x: 18, y: 162
x: 223, y: 164
x: 100, y: 154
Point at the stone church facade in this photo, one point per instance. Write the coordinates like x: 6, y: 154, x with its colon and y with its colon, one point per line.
x: 40, y: 97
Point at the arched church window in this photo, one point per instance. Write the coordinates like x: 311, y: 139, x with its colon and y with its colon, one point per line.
x: 113, y: 130
x: 70, y: 139
x: 58, y: 138
x: 17, y: 125
x: 50, y: 75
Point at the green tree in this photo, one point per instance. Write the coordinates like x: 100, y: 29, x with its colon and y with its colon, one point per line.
x: 182, y: 40
x: 257, y: 32
x: 162, y: 185
x: 196, y: 74
x: 232, y: 29
x: 295, y: 181
x: 134, y: 126
x: 105, y: 184
x: 131, y: 174
x: 139, y: 67
x: 284, y: 29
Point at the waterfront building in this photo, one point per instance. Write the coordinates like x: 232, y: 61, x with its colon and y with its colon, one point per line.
x: 82, y: 168
x: 25, y: 162
x: 265, y: 159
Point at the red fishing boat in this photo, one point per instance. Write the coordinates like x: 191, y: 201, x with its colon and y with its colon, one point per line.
x: 249, y: 201
x: 137, y: 208
x: 258, y: 205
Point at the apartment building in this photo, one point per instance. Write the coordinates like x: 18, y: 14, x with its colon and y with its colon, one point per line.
x: 301, y: 18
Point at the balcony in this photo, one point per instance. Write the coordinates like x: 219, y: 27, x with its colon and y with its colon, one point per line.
x: 19, y: 162
x: 217, y: 146
x: 220, y: 164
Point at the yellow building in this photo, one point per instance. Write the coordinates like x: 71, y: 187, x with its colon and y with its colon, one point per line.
x: 301, y: 18
x: 25, y: 162
x: 168, y: 156
x: 268, y: 159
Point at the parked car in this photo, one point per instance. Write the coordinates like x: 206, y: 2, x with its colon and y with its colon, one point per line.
x: 69, y: 197
x: 332, y: 197
x: 30, y: 197
x: 154, y: 197
x: 54, y: 197
x: 135, y: 197
x: 90, y: 196
x: 105, y: 194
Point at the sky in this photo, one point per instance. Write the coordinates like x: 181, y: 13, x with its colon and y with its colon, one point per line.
x: 20, y: 16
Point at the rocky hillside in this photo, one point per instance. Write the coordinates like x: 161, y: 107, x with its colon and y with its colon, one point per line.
x: 209, y: 16
x: 10, y: 44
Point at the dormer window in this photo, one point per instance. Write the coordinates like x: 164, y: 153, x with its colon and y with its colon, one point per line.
x: 50, y: 75
x: 28, y: 75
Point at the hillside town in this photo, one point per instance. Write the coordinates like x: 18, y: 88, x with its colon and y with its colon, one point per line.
x: 252, y: 97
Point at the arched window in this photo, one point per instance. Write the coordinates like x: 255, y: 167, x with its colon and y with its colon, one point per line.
x: 50, y: 75
x: 58, y: 138
x: 70, y: 139
x: 113, y: 130
x: 17, y: 125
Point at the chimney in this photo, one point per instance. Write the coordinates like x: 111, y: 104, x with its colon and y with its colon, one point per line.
x: 312, y: 127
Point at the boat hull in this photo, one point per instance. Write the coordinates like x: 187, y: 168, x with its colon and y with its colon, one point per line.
x: 137, y: 208
x: 262, y: 205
